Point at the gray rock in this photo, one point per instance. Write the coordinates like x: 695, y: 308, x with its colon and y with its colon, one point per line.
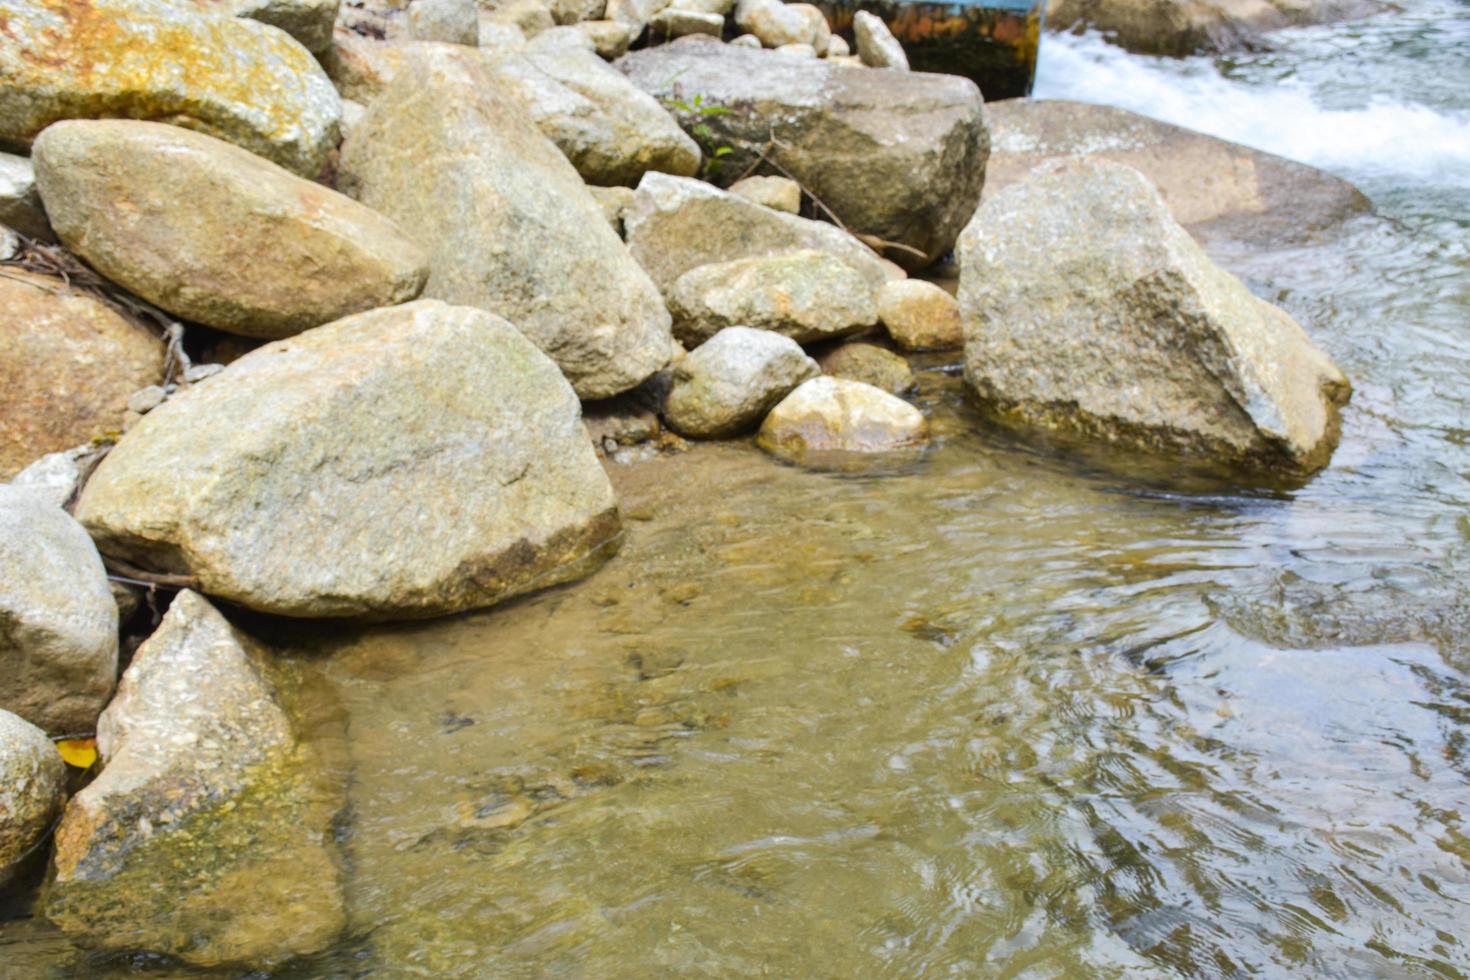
x: 797, y: 51
x: 447, y: 21
x: 876, y: 45
x: 215, y: 234
x: 205, y: 837
x: 729, y: 383
x: 531, y: 16
x: 610, y: 38
x: 32, y: 789
x: 308, y: 21
x: 239, y: 80
x: 897, y: 156
x: 610, y: 130
x: 635, y: 14
x: 58, y: 647
x: 837, y: 47
x: 919, y: 315
x: 498, y: 37
x: 677, y: 224
x: 614, y: 201
x: 805, y: 295
x: 407, y: 462
x: 1088, y: 310
x: 778, y: 193
x: 869, y: 364
x: 510, y: 225
x: 576, y: 11
x: 1214, y: 188
x: 747, y: 41
x: 56, y: 477
x: 9, y: 244
x: 145, y: 400
x: 20, y: 202
x: 829, y: 415
x: 672, y: 22
x: 722, y: 7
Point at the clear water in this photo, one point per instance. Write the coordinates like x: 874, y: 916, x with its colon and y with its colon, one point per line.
x: 1007, y: 714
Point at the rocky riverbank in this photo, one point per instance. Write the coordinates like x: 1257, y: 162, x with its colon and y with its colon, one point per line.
x: 342, y: 314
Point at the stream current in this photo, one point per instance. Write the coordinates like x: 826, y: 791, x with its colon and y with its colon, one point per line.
x: 1007, y: 714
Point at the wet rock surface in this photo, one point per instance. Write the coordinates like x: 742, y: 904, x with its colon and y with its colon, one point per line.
x: 239, y: 80
x: 805, y: 295
x: 32, y: 789
x: 1087, y: 309
x: 218, y: 235
x: 58, y: 623
x: 406, y: 462
x: 898, y: 156
x: 508, y: 223
x: 826, y: 419
x: 728, y: 384
x: 68, y: 363
x: 1213, y: 187
x: 205, y: 836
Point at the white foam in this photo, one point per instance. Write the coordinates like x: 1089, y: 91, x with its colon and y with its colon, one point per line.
x: 1384, y: 138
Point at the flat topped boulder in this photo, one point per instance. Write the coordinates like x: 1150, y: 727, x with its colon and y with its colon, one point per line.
x: 406, y: 462
x: 677, y: 224
x: 1213, y: 187
x: 206, y: 836
x: 899, y: 156
x: 509, y: 225
x: 1089, y: 311
x: 239, y: 80
x: 218, y: 235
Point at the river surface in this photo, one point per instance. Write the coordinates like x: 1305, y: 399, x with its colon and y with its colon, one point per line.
x: 1006, y: 714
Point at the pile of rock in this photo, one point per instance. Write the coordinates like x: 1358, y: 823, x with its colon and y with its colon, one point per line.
x: 404, y: 323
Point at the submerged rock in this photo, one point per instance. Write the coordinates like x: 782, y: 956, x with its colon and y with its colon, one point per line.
x: 677, y: 224
x: 610, y: 130
x: 203, y: 837
x: 898, y: 156
x: 32, y: 789
x: 217, y: 235
x: 238, y: 80
x: 919, y: 315
x: 509, y: 224
x: 729, y: 383
x: 407, y: 462
x: 68, y: 363
x: 1212, y: 187
x: 829, y: 416
x: 1088, y: 309
x: 869, y: 364
x: 805, y: 295
x: 58, y: 623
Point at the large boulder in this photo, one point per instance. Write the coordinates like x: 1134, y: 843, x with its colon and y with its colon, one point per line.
x: 20, y: 203
x: 897, y: 156
x: 68, y: 363
x: 1182, y: 27
x: 611, y: 131
x: 407, y: 462
x: 805, y: 295
x: 308, y: 21
x: 1088, y: 310
x: 1213, y: 188
x: 32, y: 789
x: 677, y: 224
x: 240, y: 80
x: 830, y: 417
x: 730, y: 382
x: 205, y: 836
x: 58, y: 623
x: 509, y: 224
x: 215, y: 234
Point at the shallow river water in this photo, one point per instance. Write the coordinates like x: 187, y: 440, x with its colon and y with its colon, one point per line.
x: 1007, y: 713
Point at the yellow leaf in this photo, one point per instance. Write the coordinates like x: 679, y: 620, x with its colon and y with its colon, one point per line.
x: 78, y: 752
